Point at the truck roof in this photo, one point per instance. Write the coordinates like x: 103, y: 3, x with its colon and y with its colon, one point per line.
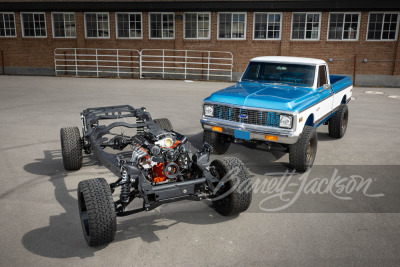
x: 302, y: 60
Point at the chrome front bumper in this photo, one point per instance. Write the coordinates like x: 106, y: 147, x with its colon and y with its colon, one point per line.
x: 285, y: 136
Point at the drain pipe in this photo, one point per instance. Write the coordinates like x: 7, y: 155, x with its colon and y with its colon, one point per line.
x: 2, y: 62
x: 354, y: 70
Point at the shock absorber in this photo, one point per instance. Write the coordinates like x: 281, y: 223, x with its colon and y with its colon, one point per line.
x: 140, y: 129
x: 125, y: 187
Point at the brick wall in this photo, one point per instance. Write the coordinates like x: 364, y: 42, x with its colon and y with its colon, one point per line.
x: 38, y: 52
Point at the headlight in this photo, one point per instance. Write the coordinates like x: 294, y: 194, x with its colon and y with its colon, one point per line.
x: 285, y: 121
x: 208, y: 110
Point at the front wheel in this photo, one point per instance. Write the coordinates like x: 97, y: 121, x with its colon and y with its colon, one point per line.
x: 219, y: 142
x: 302, y: 154
x: 234, y: 191
x: 97, y: 211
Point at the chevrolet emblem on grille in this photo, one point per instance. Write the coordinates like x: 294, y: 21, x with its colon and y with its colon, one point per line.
x: 243, y: 116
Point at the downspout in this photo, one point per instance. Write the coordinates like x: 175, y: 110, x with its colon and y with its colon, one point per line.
x: 396, y: 64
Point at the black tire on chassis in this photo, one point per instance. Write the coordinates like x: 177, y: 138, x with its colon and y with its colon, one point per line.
x: 338, y: 123
x: 164, y: 124
x: 239, y: 199
x: 302, y: 153
x: 71, y: 148
x: 97, y: 211
x: 219, y: 142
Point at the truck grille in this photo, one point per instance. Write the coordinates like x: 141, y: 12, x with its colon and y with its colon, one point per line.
x: 248, y: 116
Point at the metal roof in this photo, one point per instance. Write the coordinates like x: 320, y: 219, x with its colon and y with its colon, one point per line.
x: 303, y: 60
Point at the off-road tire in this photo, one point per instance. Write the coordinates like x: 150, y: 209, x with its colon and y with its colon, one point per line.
x: 164, y: 124
x: 97, y: 212
x: 338, y: 123
x: 219, y: 142
x: 302, y: 154
x: 71, y: 148
x: 239, y: 199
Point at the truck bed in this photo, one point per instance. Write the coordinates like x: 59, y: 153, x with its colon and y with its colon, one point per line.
x: 339, y: 83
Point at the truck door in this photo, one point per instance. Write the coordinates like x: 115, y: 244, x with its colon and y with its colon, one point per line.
x: 326, y: 94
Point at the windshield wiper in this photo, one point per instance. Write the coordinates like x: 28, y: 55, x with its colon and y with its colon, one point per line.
x: 250, y: 80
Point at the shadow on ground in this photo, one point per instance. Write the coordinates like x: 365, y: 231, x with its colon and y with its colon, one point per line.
x: 63, y: 238
x: 257, y: 158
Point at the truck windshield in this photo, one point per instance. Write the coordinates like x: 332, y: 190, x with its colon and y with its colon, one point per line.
x: 293, y: 74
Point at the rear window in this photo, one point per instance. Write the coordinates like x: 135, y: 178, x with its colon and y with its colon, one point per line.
x: 322, y: 76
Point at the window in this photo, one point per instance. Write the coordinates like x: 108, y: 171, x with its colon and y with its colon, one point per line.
x: 64, y: 25
x: 305, y: 26
x: 382, y: 26
x: 197, y: 25
x: 7, y: 25
x: 33, y: 24
x: 232, y: 25
x: 97, y: 25
x: 322, y: 76
x: 267, y: 26
x: 343, y: 26
x: 129, y: 25
x: 284, y: 73
x: 162, y: 25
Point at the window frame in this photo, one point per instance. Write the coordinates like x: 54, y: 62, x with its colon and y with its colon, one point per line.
x: 22, y: 24
x: 344, y: 40
x: 162, y: 29
x: 52, y: 25
x: 15, y: 25
x: 197, y: 31
x: 129, y: 13
x: 245, y: 26
x: 319, y: 27
x: 384, y: 13
x: 280, y: 26
x: 108, y: 24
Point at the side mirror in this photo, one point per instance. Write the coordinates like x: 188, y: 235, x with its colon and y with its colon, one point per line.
x: 326, y: 87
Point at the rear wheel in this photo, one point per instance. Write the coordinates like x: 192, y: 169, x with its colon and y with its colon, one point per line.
x: 302, y: 154
x: 97, y: 211
x: 338, y: 123
x: 219, y: 142
x: 234, y: 192
x: 71, y: 148
x: 164, y: 124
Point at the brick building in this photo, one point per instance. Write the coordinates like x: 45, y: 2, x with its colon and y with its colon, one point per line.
x: 358, y: 37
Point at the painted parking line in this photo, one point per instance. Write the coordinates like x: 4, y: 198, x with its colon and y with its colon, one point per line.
x: 394, y: 96
x: 374, y: 92
x: 353, y: 98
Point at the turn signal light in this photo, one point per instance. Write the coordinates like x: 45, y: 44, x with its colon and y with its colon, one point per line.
x: 271, y: 137
x: 217, y: 129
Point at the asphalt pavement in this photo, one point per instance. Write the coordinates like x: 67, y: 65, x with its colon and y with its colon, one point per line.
x: 345, y: 212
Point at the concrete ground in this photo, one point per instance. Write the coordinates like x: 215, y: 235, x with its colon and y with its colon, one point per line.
x: 295, y: 225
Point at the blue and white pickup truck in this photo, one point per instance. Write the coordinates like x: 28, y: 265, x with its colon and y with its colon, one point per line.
x: 279, y: 100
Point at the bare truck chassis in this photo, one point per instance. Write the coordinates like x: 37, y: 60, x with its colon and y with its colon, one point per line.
x: 155, y: 164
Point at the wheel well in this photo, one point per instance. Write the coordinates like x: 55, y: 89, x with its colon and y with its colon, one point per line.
x: 310, y: 120
x: 344, y: 99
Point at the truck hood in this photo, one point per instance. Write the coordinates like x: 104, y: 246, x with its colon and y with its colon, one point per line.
x: 265, y: 95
